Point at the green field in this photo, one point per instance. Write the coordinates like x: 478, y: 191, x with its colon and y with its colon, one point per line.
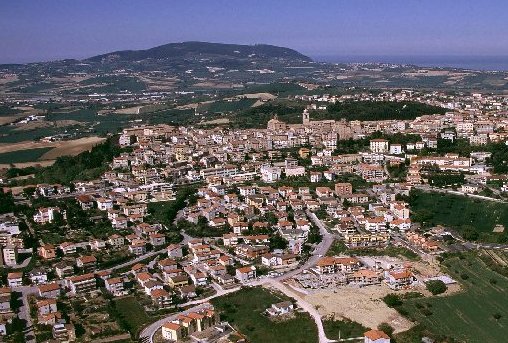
x: 130, y: 314
x: 244, y: 310
x: 345, y: 328
x: 20, y: 156
x: 477, y: 314
x: 457, y: 211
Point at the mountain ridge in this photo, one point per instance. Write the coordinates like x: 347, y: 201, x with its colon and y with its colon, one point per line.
x: 201, y: 49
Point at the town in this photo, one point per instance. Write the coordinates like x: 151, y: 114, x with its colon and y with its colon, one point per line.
x: 184, y: 217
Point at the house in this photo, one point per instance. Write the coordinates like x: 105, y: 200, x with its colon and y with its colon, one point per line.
x: 10, y: 255
x: 188, y: 292
x: 85, y: 201
x: 157, y: 239
x: 177, y: 281
x: 46, y: 306
x: 5, y: 300
x: 67, y: 248
x: 86, y: 263
x: 399, y: 279
x: 343, y: 188
x: 47, y: 215
x: 50, y: 290
x: 15, y: 279
x: 175, y: 250
x: 152, y: 285
x: 376, y: 336
x: 47, y: 251
x: 245, y: 274
x: 137, y: 247
x: 81, y: 284
x: 104, y: 204
x: 64, y: 269
x: 172, y: 331
x: 161, y: 298
x: 64, y: 332
x: 281, y: 308
x: 116, y: 240
x: 38, y: 276
x: 115, y: 286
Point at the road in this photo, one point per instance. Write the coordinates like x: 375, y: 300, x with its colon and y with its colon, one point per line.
x: 24, y: 311
x: 277, y: 283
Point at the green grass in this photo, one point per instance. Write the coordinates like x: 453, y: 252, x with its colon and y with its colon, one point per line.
x: 456, y: 211
x: 339, y: 247
x: 131, y: 314
x: 20, y: 156
x: 244, y: 310
x: 345, y: 328
x: 469, y: 315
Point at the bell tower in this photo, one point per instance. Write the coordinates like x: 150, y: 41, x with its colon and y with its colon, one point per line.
x: 305, y: 117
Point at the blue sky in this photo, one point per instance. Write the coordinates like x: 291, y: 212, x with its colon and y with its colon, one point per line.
x: 34, y: 30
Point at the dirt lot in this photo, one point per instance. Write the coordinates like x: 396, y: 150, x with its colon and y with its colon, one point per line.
x: 363, y: 305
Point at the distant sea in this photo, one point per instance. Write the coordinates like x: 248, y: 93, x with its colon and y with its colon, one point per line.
x: 487, y: 63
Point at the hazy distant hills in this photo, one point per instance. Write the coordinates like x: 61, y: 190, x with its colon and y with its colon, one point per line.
x: 204, y: 50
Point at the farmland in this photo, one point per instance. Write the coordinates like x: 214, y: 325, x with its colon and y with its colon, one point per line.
x: 28, y: 155
x: 478, y: 314
x: 244, y: 310
x: 442, y: 209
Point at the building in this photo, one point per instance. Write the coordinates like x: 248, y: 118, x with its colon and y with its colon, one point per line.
x: 172, y: 331
x: 10, y: 255
x: 245, y: 274
x: 15, y: 279
x: 379, y: 146
x: 82, y: 284
x: 376, y: 336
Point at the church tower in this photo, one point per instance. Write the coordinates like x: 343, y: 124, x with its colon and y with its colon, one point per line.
x: 305, y: 117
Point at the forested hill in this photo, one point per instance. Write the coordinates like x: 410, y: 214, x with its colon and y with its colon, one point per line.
x: 202, y: 49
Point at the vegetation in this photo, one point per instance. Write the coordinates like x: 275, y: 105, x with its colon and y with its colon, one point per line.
x: 244, y: 310
x: 477, y: 217
x: 129, y: 314
x: 340, y: 248
x: 471, y: 314
x: 343, y: 329
x: 6, y: 202
x: 21, y: 156
x: 436, y: 286
x: 85, y: 166
x: 379, y: 110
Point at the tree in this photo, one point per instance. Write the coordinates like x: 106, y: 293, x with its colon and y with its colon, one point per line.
x: 392, y: 300
x: 386, y: 328
x: 277, y: 242
x: 436, y: 286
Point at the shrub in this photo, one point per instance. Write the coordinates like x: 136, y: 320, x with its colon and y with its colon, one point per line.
x: 392, y: 300
x: 436, y: 287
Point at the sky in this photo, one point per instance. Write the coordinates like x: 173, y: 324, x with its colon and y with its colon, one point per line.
x: 34, y: 30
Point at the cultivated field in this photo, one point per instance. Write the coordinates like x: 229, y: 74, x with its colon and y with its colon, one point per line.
x: 478, y: 314
x: 442, y: 209
x: 42, y: 153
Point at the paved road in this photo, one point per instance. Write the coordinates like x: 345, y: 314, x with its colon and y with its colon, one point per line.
x: 24, y: 311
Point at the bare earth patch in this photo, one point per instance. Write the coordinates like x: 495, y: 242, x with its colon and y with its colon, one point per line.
x: 73, y: 147
x: 363, y: 305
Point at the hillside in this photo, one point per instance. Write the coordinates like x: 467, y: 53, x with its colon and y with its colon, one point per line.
x: 202, y: 49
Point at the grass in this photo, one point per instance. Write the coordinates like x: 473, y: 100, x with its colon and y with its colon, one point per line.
x: 477, y: 314
x: 340, y: 248
x: 20, y: 156
x: 344, y: 328
x: 130, y: 314
x: 244, y: 310
x: 457, y: 211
